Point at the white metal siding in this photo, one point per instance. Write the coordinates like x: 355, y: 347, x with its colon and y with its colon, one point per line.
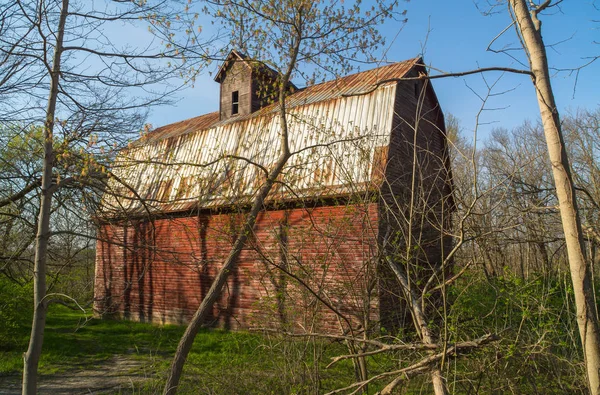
x: 342, y: 131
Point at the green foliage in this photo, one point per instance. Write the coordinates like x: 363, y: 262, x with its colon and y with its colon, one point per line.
x: 15, y: 314
x: 539, y: 351
x: 77, y: 278
x: 20, y: 146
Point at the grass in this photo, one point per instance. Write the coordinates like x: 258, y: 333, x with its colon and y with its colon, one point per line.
x: 76, y: 339
x: 220, y: 361
x: 538, y: 347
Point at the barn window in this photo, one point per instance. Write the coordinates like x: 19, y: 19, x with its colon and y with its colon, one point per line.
x: 235, y: 101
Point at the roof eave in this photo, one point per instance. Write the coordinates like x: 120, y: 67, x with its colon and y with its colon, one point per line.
x: 233, y: 53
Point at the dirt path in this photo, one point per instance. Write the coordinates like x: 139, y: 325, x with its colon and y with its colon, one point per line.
x: 116, y: 375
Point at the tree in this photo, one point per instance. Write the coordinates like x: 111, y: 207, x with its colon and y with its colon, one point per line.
x: 525, y: 19
x: 295, y: 32
x: 19, y: 168
x: 529, y: 29
x: 581, y: 129
x: 529, y: 231
x: 419, y: 213
x: 94, y: 93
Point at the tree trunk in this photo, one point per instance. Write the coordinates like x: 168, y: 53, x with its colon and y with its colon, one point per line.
x: 529, y: 27
x: 32, y: 356
x: 216, y: 288
x: 420, y: 321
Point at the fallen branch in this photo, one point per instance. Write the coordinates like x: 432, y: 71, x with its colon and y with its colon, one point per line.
x: 422, y: 365
x: 376, y: 343
x: 386, y: 348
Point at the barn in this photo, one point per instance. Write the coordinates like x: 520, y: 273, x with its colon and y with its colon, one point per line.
x: 369, y: 177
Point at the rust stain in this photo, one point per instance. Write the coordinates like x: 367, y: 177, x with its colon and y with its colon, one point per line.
x: 164, y: 190
x: 179, y: 128
x: 346, y: 135
x: 380, y: 156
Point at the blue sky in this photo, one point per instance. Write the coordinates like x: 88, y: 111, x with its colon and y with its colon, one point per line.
x: 453, y: 36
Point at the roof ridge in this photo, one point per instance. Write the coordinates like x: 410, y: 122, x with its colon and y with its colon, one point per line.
x: 351, y: 83
x: 379, y: 68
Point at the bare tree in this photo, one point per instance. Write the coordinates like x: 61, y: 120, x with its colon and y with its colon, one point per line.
x: 94, y: 92
x: 529, y: 30
x: 294, y: 33
x: 419, y: 243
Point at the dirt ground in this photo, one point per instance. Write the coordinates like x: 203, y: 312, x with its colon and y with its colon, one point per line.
x: 116, y: 375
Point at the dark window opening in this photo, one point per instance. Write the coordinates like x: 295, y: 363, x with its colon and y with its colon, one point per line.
x: 235, y: 102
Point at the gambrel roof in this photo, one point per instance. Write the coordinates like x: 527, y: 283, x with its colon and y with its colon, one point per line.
x: 338, y: 132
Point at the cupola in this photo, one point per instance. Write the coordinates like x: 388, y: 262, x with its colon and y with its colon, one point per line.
x: 246, y: 85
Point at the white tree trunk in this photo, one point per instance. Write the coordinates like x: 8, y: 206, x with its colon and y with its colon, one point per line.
x: 529, y: 27
x: 32, y: 357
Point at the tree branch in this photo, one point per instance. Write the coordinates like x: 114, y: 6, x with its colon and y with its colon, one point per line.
x: 445, y: 75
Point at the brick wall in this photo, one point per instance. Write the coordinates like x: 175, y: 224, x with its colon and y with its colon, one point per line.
x: 415, y: 193
x: 168, y: 266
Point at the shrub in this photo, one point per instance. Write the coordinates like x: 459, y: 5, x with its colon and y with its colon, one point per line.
x: 15, y: 313
x: 539, y: 351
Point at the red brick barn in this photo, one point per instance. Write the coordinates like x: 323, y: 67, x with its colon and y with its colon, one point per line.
x: 365, y: 146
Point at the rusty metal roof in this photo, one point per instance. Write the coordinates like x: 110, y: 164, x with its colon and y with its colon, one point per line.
x: 352, y: 84
x: 204, y: 162
x: 182, y: 127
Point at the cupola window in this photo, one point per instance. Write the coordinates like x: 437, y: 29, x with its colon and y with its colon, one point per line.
x: 235, y: 102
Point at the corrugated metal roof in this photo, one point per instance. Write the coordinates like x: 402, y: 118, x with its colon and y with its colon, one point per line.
x: 178, y: 128
x: 198, y: 162
x: 351, y: 84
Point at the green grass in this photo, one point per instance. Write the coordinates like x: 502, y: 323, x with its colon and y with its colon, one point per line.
x: 220, y: 361
x: 73, y: 339
x: 538, y: 347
